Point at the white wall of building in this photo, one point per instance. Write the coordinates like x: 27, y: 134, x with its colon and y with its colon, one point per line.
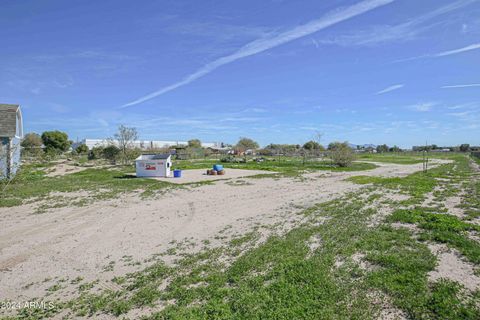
x: 142, y: 144
x: 148, y: 166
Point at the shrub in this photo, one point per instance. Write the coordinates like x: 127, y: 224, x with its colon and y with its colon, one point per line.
x: 312, y: 145
x: 342, y: 155
x: 232, y: 159
x: 194, y: 143
x: 32, y: 144
x: 95, y: 153
x: 111, y: 152
x: 132, y: 154
x: 82, y: 149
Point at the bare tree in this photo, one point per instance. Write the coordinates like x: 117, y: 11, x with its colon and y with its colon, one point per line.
x: 317, y: 137
x: 125, y: 138
x: 312, y: 147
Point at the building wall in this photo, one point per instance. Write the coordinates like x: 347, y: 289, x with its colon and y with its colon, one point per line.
x: 3, y: 157
x: 15, y: 155
x: 142, y: 144
x: 9, y: 163
x: 153, y: 167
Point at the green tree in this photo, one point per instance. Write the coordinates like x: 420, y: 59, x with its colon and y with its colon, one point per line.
x: 341, y: 154
x: 111, y: 152
x: 334, y: 145
x: 382, y: 148
x: 32, y: 143
x: 56, y: 141
x: 194, y: 143
x: 312, y: 145
x: 395, y: 149
x: 246, y: 143
x: 82, y: 149
x: 464, y: 147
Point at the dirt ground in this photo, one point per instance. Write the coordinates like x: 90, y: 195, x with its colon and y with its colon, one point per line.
x: 63, y: 168
x: 200, y: 175
x: 38, y: 250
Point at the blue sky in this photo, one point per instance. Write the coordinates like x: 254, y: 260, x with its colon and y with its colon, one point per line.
x: 372, y: 71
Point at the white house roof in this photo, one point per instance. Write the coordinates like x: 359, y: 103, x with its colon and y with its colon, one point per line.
x: 10, y: 121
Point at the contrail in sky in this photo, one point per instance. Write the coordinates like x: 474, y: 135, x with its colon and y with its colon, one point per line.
x: 462, y: 86
x: 391, y: 88
x: 464, y: 49
x: 261, y: 45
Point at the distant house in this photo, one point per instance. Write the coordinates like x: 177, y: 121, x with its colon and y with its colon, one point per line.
x: 11, y: 133
x: 220, y: 150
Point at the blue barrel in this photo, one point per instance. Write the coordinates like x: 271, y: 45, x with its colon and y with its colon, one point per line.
x: 217, y: 167
x: 177, y: 173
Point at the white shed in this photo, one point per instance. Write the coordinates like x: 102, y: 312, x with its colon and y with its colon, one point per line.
x: 153, y: 165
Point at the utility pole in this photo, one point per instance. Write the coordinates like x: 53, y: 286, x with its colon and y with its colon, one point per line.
x: 426, y: 150
x: 425, y: 158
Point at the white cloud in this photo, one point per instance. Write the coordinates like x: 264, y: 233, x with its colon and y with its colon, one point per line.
x: 460, y: 114
x: 400, y: 32
x: 263, y: 44
x: 422, y: 107
x: 255, y: 110
x: 391, y: 88
x: 36, y: 90
x: 462, y: 86
x: 469, y: 118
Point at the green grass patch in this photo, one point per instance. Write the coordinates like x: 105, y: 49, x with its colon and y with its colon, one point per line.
x: 402, y: 272
x: 283, y: 279
x: 391, y: 158
x: 420, y: 183
x: 471, y: 200
x: 285, y: 166
x: 442, y: 228
x: 416, y: 185
x: 31, y: 182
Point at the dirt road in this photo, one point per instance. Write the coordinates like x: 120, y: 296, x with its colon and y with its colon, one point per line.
x: 38, y: 250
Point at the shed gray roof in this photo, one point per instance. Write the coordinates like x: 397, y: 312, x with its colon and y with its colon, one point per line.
x: 153, y: 156
x: 160, y: 156
x: 8, y: 119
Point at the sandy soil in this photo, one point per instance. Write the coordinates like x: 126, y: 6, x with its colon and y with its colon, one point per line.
x: 64, y: 168
x: 37, y: 250
x: 452, y: 266
x: 200, y: 175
